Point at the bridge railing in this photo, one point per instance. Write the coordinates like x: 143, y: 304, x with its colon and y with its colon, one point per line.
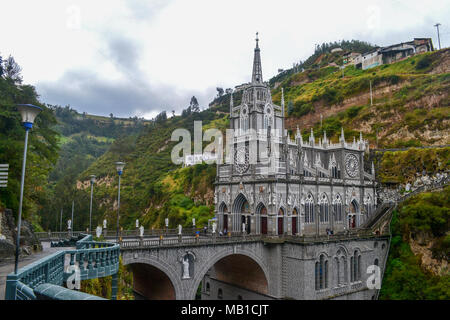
x: 94, y: 259
x: 177, y: 241
x: 183, y: 241
x: 124, y: 234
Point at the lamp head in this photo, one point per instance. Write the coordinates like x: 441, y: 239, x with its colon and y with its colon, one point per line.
x: 119, y: 167
x: 93, y: 179
x: 28, y: 113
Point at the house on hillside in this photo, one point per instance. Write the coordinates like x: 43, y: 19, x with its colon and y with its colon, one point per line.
x: 349, y: 57
x: 393, y: 53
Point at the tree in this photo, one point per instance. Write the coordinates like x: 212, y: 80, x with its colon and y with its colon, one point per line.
x: 219, y: 91
x: 11, y: 70
x: 194, y: 104
x: 1, y: 66
x: 173, y: 113
x: 161, y: 117
x: 111, y: 115
x: 290, y: 108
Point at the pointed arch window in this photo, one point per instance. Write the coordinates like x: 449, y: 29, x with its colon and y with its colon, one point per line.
x: 338, y: 271
x: 368, y: 206
x: 355, y: 267
x: 321, y: 273
x: 324, y: 207
x: 309, y: 209
x: 337, y: 208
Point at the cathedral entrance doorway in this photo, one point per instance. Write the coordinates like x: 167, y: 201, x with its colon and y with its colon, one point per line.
x: 280, y: 226
x: 225, y: 223
x: 354, y: 209
x: 264, y: 224
x: 294, y: 226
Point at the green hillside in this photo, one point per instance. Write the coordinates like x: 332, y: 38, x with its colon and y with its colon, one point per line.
x: 421, y: 222
x: 411, y: 91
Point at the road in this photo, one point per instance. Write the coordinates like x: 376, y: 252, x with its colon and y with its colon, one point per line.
x: 7, y: 265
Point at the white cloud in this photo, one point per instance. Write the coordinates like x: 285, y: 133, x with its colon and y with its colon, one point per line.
x: 166, y: 51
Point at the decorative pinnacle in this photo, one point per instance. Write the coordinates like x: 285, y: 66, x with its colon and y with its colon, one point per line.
x: 257, y: 39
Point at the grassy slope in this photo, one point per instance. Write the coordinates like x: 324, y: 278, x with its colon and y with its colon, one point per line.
x: 146, y: 195
x: 411, y: 102
x: 406, y: 277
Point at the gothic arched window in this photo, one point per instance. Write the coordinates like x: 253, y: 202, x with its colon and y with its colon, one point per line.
x: 321, y: 273
x: 309, y: 209
x: 323, y: 205
x: 337, y: 270
x: 337, y: 206
x: 355, y: 267
x: 368, y: 207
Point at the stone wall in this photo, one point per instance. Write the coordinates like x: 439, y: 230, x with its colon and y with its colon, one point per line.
x: 28, y: 240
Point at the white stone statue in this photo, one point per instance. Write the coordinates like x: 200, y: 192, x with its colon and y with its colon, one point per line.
x: 69, y: 224
x: 243, y: 226
x: 104, y: 224
x: 98, y: 231
x: 186, y: 267
x: 193, y: 222
x: 214, y: 227
x: 167, y: 222
x: 141, y: 231
x: 180, y: 229
x: 137, y: 223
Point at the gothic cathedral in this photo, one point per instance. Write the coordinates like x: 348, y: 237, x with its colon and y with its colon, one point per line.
x: 274, y: 185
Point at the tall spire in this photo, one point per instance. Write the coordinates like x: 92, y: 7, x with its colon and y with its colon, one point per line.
x: 231, y: 104
x: 257, y: 70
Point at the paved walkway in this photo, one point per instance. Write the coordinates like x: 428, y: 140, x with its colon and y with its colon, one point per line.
x: 7, y: 266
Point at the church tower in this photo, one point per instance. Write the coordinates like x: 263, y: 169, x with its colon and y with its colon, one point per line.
x: 257, y: 122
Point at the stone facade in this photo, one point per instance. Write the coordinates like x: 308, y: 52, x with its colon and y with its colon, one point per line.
x: 286, y: 270
x: 272, y: 184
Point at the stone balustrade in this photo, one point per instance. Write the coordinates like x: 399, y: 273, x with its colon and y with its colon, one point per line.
x: 94, y: 259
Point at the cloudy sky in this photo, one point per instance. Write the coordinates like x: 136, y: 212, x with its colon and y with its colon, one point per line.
x: 143, y: 56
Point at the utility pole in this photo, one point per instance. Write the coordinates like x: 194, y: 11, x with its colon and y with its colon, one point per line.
x: 439, y: 39
x: 370, y: 84
x: 60, y: 221
x: 72, y: 215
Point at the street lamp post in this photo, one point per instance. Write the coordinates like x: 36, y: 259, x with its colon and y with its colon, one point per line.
x: 90, y: 208
x: 119, y: 167
x: 28, y: 113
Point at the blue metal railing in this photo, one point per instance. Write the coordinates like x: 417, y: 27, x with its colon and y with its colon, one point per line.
x: 94, y: 260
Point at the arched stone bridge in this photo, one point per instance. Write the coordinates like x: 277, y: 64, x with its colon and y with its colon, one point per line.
x: 255, y: 267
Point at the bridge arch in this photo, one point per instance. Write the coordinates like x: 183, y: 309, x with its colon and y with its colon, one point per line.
x: 261, y: 272
x: 157, y: 280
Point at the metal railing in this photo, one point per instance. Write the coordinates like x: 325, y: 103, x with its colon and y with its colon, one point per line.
x: 111, y: 234
x: 94, y: 259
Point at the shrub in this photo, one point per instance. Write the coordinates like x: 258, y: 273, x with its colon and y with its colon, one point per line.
x: 423, y: 63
